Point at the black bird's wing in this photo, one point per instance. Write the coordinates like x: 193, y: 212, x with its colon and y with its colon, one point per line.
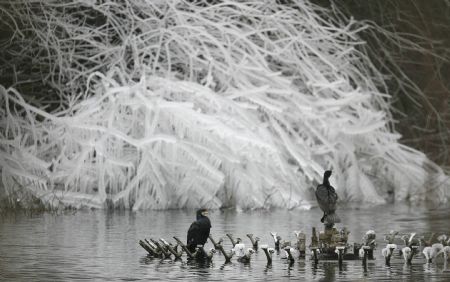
x: 333, y: 195
x: 204, y: 226
x: 192, y: 233
x: 322, y: 197
x: 326, y: 198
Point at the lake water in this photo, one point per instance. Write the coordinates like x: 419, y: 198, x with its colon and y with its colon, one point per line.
x: 103, y: 246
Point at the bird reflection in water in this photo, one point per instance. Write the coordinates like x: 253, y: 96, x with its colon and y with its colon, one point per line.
x: 328, y: 269
x: 200, y: 264
x: 268, y: 268
x: 202, y: 268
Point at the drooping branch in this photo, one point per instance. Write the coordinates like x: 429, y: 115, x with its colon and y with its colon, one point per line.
x: 170, y: 104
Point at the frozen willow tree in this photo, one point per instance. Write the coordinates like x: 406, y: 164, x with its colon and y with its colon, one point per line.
x: 169, y: 104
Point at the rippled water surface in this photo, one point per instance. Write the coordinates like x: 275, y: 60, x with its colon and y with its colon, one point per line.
x: 100, y: 245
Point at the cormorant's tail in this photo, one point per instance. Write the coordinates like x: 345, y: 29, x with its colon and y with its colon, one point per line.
x: 332, y: 218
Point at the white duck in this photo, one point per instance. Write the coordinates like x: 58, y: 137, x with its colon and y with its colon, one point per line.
x: 387, y: 252
x: 407, y: 254
x: 427, y: 252
x: 430, y: 252
x: 361, y: 253
x: 242, y: 254
x: 437, y: 248
x: 446, y: 253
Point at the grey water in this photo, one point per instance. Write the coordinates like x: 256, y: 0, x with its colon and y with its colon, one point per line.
x: 103, y: 246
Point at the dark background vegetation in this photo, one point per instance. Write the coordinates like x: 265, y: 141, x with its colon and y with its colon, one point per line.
x: 423, y: 120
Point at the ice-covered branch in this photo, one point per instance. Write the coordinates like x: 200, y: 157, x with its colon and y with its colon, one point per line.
x: 168, y: 104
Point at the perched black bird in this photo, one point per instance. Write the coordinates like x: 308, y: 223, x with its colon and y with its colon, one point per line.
x: 199, y: 230
x: 327, y: 199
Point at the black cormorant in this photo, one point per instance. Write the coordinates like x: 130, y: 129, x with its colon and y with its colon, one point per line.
x: 327, y: 199
x: 199, y: 230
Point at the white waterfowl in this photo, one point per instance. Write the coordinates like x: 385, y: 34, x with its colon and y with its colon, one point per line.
x: 445, y: 252
x: 361, y: 253
x: 247, y: 255
x: 387, y: 252
x: 428, y: 253
x: 407, y: 254
x: 391, y: 246
x: 238, y: 250
x: 242, y: 254
x: 436, y: 249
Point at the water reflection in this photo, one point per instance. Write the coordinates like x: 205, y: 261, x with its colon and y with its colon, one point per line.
x: 268, y: 268
x: 102, y: 246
